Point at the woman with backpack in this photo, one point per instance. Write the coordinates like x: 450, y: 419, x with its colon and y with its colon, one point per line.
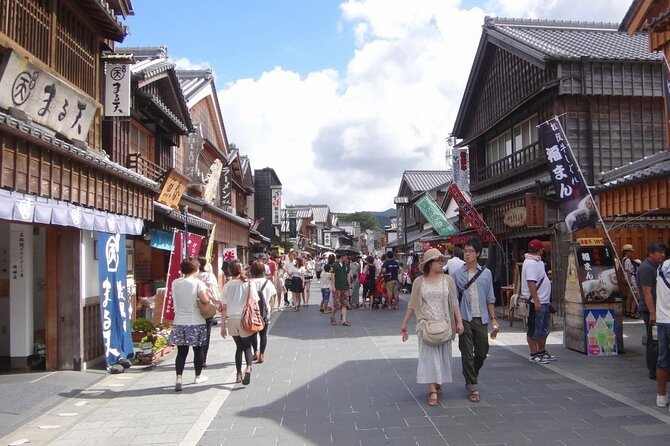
x: 266, y: 292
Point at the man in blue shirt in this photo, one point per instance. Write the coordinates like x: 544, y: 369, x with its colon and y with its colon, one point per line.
x: 390, y: 269
x: 477, y: 304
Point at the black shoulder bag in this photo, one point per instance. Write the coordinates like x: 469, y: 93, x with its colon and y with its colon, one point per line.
x: 467, y: 285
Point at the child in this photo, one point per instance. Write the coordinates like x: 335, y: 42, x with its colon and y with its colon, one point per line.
x: 326, y: 282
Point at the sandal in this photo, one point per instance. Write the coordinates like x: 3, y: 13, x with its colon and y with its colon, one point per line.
x: 473, y: 397
x: 433, y: 401
x: 247, y: 377
x: 238, y: 379
x: 332, y: 321
x: 346, y: 323
x: 438, y: 389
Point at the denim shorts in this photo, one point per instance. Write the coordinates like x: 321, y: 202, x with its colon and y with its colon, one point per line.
x: 663, y: 361
x: 538, y: 322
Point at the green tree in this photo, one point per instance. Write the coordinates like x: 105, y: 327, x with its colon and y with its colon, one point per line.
x: 366, y: 219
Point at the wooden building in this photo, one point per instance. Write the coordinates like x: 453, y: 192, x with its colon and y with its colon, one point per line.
x: 605, y: 87
x: 58, y: 187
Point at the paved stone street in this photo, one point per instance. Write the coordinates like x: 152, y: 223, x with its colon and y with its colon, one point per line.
x: 324, y: 384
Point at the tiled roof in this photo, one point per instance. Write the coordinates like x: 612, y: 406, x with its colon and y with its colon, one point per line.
x: 558, y: 39
x: 319, y: 211
x: 192, y: 81
x: 425, y: 180
x: 654, y: 166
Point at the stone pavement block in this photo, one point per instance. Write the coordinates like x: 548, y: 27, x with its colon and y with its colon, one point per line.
x: 642, y: 430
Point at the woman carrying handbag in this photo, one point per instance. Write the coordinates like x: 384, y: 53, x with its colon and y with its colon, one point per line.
x: 434, y: 302
x: 234, y: 297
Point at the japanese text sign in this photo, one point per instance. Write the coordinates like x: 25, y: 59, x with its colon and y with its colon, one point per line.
x: 117, y: 89
x: 574, y: 198
x: 193, y: 243
x: 173, y: 188
x: 435, y: 216
x: 468, y: 211
x: 275, y: 193
x: 597, y: 275
x: 45, y: 98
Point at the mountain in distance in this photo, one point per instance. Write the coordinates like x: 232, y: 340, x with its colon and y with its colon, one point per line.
x: 384, y: 217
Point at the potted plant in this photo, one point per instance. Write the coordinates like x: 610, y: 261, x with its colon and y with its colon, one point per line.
x: 141, y: 328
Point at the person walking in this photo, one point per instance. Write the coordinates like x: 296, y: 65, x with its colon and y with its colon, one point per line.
x: 234, y: 296
x: 326, y: 286
x: 477, y: 305
x: 455, y: 262
x: 354, y: 273
x: 262, y: 284
x: 434, y: 297
x: 189, y: 328
x: 209, y: 279
x: 646, y: 278
x: 292, y: 267
x: 663, y: 332
x: 369, y: 282
x: 390, y: 269
x: 630, y: 265
x: 535, y: 284
x: 340, y: 291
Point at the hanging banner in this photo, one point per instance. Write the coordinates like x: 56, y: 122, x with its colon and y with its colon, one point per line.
x: 666, y: 83
x: 117, y: 89
x: 469, y: 212
x: 461, y: 168
x: 115, y: 308
x: 174, y: 270
x: 275, y: 193
x: 194, y: 142
x: 229, y: 254
x: 574, y: 198
x: 210, y: 245
x: 435, y: 216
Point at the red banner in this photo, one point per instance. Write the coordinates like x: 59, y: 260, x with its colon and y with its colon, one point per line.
x: 192, y: 250
x: 470, y: 213
x: 462, y: 239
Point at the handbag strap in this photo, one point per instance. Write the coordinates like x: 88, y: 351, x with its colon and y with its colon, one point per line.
x: 471, y: 281
x: 264, y: 283
x: 662, y: 276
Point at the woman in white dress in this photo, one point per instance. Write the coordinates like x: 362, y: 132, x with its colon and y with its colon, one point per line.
x: 430, y: 298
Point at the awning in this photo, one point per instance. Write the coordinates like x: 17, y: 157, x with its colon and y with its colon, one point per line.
x: 418, y: 236
x: 189, y: 219
x: 22, y: 208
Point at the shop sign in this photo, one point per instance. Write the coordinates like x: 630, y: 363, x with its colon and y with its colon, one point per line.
x: 226, y: 187
x: 534, y: 210
x: 600, y: 328
x: 461, y: 239
x: 117, y: 89
x: 193, y: 148
x: 418, y: 246
x: 461, y: 168
x: 515, y: 217
x: 275, y: 197
x: 114, y: 301
x: 591, y: 241
x: 597, y: 275
x: 46, y: 99
x: 212, y: 181
x: 326, y: 238
x: 173, y: 188
x: 574, y: 198
x: 435, y: 216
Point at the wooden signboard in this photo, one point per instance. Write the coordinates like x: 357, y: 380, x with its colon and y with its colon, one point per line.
x: 173, y: 188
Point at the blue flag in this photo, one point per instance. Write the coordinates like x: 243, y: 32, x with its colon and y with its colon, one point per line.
x: 114, y: 303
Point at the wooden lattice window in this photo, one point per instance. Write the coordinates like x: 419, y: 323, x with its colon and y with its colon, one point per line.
x: 28, y: 23
x: 75, y: 51
x: 141, y: 141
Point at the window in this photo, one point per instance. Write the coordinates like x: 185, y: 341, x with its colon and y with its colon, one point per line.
x: 141, y: 141
x: 503, y: 145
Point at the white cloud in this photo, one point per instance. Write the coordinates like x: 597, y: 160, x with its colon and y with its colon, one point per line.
x: 344, y: 139
x: 184, y: 63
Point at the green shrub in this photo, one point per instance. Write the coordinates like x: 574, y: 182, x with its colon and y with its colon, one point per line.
x: 144, y: 325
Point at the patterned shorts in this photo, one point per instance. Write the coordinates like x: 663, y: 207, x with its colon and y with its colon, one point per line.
x: 341, y: 299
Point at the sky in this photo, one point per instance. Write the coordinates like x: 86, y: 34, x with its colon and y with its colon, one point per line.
x: 339, y: 97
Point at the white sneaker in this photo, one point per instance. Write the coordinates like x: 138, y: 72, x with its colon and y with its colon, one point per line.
x: 661, y: 400
x: 537, y: 359
x: 200, y: 379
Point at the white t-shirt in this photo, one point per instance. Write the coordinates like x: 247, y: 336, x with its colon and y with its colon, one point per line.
x: 184, y: 295
x: 663, y: 295
x: 268, y: 291
x: 326, y: 280
x: 534, y: 270
x: 474, y: 296
x: 235, y: 294
x: 452, y: 265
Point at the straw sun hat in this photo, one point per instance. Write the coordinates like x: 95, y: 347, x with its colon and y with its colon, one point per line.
x: 431, y: 254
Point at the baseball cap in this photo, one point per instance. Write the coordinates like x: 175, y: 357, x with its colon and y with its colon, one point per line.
x: 535, y: 244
